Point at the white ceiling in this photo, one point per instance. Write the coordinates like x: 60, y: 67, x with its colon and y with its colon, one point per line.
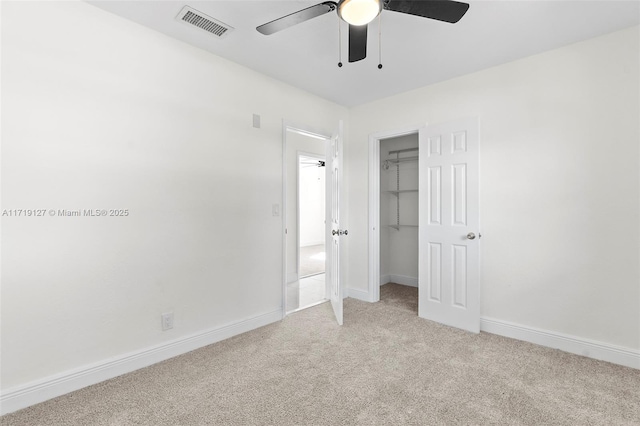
x: 415, y: 51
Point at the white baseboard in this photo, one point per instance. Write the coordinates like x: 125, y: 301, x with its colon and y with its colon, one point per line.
x: 399, y: 279
x: 575, y: 345
x: 32, y: 393
x: 358, y: 294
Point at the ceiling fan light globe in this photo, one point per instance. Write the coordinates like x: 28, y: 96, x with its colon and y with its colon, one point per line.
x: 359, y: 12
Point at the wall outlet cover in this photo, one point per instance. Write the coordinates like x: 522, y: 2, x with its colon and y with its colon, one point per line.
x: 167, y: 321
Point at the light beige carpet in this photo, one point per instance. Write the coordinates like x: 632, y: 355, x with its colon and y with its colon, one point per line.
x: 385, y: 366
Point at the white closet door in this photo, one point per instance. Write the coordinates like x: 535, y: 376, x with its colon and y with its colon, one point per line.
x: 449, y: 266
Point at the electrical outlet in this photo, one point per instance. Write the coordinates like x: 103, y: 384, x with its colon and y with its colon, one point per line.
x: 167, y: 321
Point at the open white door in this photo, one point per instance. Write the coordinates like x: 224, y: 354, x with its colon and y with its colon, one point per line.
x: 334, y: 232
x: 449, y: 266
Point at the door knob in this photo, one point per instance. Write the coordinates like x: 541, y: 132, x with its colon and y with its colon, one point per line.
x: 345, y: 232
x: 334, y: 232
x: 471, y: 236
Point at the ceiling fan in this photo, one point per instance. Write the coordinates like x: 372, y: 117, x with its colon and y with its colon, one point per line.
x: 358, y: 14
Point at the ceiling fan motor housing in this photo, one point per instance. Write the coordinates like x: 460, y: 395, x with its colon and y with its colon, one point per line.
x: 359, y: 12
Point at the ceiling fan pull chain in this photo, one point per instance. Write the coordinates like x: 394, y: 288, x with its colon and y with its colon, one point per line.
x: 339, y: 42
x: 380, y: 41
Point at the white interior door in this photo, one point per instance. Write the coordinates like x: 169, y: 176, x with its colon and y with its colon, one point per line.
x: 449, y: 266
x: 334, y: 232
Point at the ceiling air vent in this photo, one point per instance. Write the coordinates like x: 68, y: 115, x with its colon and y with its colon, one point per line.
x: 194, y: 17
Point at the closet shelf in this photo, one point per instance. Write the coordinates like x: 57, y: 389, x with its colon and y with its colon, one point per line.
x: 387, y: 163
x: 396, y: 161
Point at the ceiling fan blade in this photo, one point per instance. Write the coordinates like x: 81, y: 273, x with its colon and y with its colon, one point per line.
x: 440, y: 10
x: 357, y: 42
x: 296, y: 18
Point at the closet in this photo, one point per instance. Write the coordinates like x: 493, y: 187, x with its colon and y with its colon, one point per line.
x: 399, y: 210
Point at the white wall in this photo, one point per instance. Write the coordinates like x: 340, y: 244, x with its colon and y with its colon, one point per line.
x: 559, y: 184
x: 312, y: 205
x: 101, y: 113
x: 399, y: 248
x: 296, y: 143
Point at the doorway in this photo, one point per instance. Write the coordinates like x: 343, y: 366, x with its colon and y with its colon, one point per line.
x: 386, y: 212
x: 310, y: 289
x: 305, y: 217
x: 399, y: 213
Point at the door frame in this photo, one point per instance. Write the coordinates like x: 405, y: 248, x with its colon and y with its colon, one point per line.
x: 374, y: 202
x: 288, y: 126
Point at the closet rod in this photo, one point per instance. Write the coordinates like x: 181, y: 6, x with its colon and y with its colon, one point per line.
x: 398, y: 151
x: 400, y: 160
x: 387, y: 163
